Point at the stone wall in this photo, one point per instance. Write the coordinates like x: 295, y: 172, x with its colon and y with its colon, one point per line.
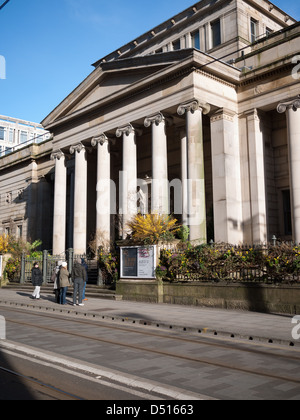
x: 250, y: 297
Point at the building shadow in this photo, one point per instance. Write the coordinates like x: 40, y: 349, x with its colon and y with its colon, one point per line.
x: 13, y: 386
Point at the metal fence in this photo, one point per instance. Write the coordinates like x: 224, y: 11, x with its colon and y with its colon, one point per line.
x: 49, y: 262
x: 269, y: 263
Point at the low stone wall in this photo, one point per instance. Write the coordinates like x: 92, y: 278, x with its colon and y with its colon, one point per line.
x: 252, y: 297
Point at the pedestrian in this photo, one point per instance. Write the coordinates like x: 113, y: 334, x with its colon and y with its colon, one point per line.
x: 55, y: 279
x: 84, y: 264
x: 79, y: 278
x: 64, y: 283
x: 37, y: 280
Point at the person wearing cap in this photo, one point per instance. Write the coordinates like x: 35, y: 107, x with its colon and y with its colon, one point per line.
x: 64, y: 283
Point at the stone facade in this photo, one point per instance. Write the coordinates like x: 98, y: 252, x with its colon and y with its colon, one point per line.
x: 198, y: 117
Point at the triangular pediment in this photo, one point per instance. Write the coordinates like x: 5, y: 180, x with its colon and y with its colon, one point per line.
x: 112, y: 82
x: 108, y: 79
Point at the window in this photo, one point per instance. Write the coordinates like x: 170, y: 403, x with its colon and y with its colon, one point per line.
x: 2, y: 133
x: 287, y: 213
x: 196, y: 40
x: 254, y: 30
x: 23, y: 137
x: 269, y: 31
x: 216, y: 33
x: 11, y: 136
x: 19, y: 231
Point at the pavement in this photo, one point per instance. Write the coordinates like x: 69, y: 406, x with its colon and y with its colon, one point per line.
x: 229, y: 324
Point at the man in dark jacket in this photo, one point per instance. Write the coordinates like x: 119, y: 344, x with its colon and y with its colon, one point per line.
x: 79, y: 278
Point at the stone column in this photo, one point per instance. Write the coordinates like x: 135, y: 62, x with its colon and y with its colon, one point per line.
x: 80, y: 199
x: 226, y: 178
x: 60, y: 202
x: 128, y: 197
x: 293, y: 124
x: 195, y: 157
x: 160, y: 184
x: 184, y: 177
x: 103, y: 189
x: 257, y: 177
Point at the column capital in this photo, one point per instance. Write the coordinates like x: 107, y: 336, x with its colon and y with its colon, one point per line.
x: 125, y: 129
x: 252, y: 113
x: 102, y: 139
x: 293, y: 104
x: 57, y: 155
x: 156, y: 119
x: 193, y: 106
x: 223, y: 114
x: 77, y: 148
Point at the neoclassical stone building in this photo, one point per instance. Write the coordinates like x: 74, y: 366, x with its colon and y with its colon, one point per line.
x: 199, y: 117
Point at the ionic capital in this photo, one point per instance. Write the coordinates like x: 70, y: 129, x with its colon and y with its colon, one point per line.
x: 77, y: 148
x: 57, y: 155
x: 102, y: 139
x: 125, y: 130
x: 193, y: 106
x: 154, y: 119
x: 294, y: 104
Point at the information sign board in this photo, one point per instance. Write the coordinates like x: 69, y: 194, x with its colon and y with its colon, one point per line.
x: 138, y: 262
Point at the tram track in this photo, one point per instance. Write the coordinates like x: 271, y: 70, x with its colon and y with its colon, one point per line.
x: 46, y: 389
x: 161, y: 352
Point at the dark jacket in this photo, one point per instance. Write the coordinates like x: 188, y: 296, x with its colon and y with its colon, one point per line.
x: 78, y: 272
x: 36, y: 277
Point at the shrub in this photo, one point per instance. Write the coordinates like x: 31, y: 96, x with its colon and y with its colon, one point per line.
x: 12, y: 269
x: 109, y: 263
x: 4, y: 244
x: 153, y: 228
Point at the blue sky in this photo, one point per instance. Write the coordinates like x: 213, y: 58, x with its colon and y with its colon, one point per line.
x: 49, y: 45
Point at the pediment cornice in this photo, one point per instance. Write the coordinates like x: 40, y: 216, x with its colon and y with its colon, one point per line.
x: 160, y: 72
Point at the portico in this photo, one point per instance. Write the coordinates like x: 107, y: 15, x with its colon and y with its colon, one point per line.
x: 202, y: 162
x: 119, y: 196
